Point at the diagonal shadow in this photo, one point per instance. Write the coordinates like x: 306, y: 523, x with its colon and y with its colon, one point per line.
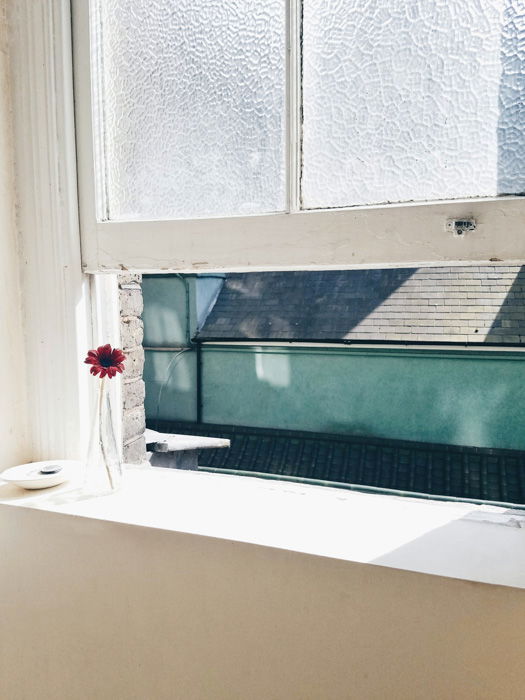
x: 299, y: 305
x: 508, y: 325
x: 480, y: 545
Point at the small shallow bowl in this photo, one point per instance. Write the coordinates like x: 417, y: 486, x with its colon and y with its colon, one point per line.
x: 28, y: 476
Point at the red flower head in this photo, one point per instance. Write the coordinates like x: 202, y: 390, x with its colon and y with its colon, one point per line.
x: 105, y: 360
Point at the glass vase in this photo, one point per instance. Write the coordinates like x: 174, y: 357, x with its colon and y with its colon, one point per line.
x: 103, y: 472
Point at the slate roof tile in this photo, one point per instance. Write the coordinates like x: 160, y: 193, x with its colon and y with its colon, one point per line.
x: 434, y: 304
x: 426, y: 468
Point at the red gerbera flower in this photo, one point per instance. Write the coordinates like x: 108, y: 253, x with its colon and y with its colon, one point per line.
x: 105, y: 360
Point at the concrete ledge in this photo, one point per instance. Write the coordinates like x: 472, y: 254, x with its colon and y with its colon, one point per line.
x: 175, y: 451
x: 173, y: 442
x: 460, y: 540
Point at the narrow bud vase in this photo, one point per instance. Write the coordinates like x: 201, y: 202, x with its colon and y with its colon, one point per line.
x: 103, y: 470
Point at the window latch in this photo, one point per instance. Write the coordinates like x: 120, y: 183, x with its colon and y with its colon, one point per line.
x: 460, y: 227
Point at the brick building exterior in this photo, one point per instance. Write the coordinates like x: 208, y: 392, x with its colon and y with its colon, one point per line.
x: 133, y: 390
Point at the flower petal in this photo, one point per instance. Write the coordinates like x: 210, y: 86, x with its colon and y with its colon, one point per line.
x: 105, y: 360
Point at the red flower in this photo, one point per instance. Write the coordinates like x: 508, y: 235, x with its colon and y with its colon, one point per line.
x: 105, y: 360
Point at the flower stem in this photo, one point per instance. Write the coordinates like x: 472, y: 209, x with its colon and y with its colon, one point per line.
x: 101, y: 428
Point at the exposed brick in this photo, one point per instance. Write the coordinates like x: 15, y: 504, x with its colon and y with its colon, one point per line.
x: 128, y: 278
x: 134, y: 364
x: 133, y: 394
x: 131, y: 303
x: 135, y: 452
x: 131, y: 331
x: 133, y: 424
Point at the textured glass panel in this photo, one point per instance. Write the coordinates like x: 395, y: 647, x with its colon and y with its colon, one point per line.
x: 189, y: 100
x: 412, y: 100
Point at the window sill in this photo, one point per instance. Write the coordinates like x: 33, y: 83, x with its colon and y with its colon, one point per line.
x: 458, y: 540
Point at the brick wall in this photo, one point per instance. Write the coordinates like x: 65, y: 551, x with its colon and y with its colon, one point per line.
x: 132, y: 332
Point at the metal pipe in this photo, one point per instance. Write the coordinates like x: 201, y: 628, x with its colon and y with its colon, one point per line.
x: 198, y: 348
x: 376, y: 343
x: 184, y: 279
x: 175, y: 348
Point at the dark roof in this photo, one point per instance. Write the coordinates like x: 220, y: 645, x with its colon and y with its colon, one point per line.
x: 480, y: 304
x: 445, y: 470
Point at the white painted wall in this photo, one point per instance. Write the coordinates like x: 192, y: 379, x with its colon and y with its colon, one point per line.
x: 55, y: 294
x: 191, y: 586
x: 93, y: 610
x: 13, y: 430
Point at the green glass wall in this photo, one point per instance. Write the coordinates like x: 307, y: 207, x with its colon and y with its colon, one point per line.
x: 174, y: 307
x: 453, y: 397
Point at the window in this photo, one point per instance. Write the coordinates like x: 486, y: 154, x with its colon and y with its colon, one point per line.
x: 245, y: 135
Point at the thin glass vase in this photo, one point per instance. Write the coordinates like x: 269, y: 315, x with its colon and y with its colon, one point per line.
x: 103, y: 472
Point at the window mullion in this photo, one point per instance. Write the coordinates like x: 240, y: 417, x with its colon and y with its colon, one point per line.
x: 293, y: 107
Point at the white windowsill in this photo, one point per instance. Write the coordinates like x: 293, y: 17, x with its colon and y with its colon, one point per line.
x: 458, y: 540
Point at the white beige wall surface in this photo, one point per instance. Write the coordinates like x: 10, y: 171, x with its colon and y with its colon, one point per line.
x: 14, y: 446
x: 95, y: 610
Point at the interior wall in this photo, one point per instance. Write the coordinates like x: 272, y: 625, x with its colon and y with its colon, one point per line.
x: 13, y: 418
x: 140, y: 613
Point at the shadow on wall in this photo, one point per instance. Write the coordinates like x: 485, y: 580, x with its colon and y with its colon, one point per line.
x: 510, y: 320
x: 462, y: 546
x: 511, y: 125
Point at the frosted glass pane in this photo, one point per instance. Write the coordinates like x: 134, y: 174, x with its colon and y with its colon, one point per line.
x: 412, y: 100
x: 189, y: 102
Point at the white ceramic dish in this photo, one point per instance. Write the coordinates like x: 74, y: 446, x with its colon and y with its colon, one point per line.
x: 28, y: 476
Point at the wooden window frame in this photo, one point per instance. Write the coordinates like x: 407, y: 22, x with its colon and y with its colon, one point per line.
x: 394, y: 235
x: 57, y: 299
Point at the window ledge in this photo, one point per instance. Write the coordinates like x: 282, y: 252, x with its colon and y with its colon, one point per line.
x: 459, y: 540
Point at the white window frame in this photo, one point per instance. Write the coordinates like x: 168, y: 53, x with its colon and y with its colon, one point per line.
x: 361, y: 236
x: 56, y: 295
x: 64, y: 311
